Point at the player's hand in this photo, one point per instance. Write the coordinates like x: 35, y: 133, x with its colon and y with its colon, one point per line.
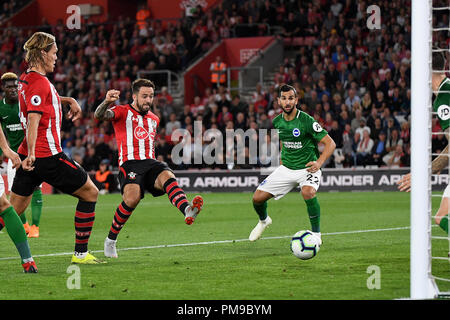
x: 75, y: 111
x: 404, y: 184
x: 28, y: 163
x: 14, y: 158
x: 112, y: 96
x: 313, y: 166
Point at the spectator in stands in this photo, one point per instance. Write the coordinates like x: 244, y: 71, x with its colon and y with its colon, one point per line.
x: 104, y: 179
x: 336, y: 134
x: 237, y: 105
x: 218, y: 71
x: 165, y: 95
x: 78, y: 149
x: 172, y: 125
x: 395, y: 161
x: 352, y: 98
x: 91, y: 160
x: 391, y: 144
x: 95, y: 57
x: 379, y: 149
x: 364, y: 149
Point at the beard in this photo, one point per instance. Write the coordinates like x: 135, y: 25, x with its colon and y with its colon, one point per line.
x: 288, y: 112
x: 143, y: 108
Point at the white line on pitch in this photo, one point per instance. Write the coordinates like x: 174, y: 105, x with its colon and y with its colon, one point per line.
x: 212, y: 242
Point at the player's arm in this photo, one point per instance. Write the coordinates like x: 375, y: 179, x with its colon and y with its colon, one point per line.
x: 75, y: 111
x: 437, y: 165
x: 10, y: 154
x: 441, y: 161
x: 330, y: 145
x: 32, y: 130
x: 102, y: 112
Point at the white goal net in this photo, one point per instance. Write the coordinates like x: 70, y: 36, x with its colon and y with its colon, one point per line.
x: 430, y: 245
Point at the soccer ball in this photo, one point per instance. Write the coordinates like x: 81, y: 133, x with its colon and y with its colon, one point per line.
x: 305, y: 245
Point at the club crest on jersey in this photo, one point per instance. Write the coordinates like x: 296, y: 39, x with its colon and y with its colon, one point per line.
x: 132, y: 175
x: 296, y: 132
x: 140, y: 133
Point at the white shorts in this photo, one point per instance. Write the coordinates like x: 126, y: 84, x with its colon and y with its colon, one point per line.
x: 11, y: 172
x: 283, y: 180
x: 446, y: 192
x: 2, y: 186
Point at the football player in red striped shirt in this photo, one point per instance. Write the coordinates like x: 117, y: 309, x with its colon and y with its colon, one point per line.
x: 135, y: 129
x: 41, y: 153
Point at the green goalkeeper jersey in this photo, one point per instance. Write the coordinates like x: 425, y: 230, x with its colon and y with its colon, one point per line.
x: 12, y: 128
x: 441, y: 104
x: 299, y: 138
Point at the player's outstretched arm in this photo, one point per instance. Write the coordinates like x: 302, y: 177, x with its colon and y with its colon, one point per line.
x: 328, y: 150
x: 102, y: 112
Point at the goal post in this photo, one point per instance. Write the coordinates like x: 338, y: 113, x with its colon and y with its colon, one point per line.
x: 421, y: 284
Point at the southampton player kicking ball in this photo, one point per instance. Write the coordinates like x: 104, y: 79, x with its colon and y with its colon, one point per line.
x: 135, y: 129
x: 299, y: 134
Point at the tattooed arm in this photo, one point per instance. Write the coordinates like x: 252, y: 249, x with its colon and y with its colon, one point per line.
x: 437, y: 166
x: 441, y: 161
x: 102, y: 112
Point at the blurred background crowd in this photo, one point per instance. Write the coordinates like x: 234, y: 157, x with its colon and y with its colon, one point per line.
x: 353, y: 81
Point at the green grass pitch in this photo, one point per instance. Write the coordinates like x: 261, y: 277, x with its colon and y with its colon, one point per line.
x: 162, y: 258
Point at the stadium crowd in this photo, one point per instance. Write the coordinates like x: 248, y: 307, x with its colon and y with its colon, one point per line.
x: 352, y: 80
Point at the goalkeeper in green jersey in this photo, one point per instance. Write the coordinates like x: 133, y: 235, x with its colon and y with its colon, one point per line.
x: 299, y: 134
x: 440, y: 85
x: 12, y: 128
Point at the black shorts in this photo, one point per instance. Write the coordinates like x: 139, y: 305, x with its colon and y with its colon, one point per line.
x: 58, y: 171
x: 143, y: 173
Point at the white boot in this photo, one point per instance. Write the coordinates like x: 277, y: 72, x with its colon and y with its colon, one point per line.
x: 259, y: 229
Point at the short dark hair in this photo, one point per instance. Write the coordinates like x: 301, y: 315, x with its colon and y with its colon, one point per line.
x: 139, y: 83
x: 438, y: 61
x: 286, y: 88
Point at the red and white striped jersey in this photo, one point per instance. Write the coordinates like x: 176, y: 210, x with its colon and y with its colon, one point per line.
x: 135, y: 133
x: 37, y: 94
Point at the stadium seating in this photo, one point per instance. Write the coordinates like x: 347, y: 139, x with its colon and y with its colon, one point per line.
x: 336, y: 48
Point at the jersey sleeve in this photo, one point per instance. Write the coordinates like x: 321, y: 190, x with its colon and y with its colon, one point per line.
x: 442, y: 108
x: 315, y: 129
x: 36, y: 96
x: 118, y: 112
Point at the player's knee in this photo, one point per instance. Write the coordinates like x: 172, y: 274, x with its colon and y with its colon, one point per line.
x: 258, y: 198
x: 438, y: 218
x: 308, y: 193
x: 131, y: 200
x: 89, y: 193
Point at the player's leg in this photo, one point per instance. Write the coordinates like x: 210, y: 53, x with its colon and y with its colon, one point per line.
x: 259, y: 200
x: 84, y: 221
x: 16, y: 232
x: 131, y: 176
x: 309, y: 184
x: 276, y: 185
x: 167, y: 182
x: 69, y: 177
x: 441, y: 217
x: 36, y: 211
x: 11, y: 173
x: 131, y: 196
